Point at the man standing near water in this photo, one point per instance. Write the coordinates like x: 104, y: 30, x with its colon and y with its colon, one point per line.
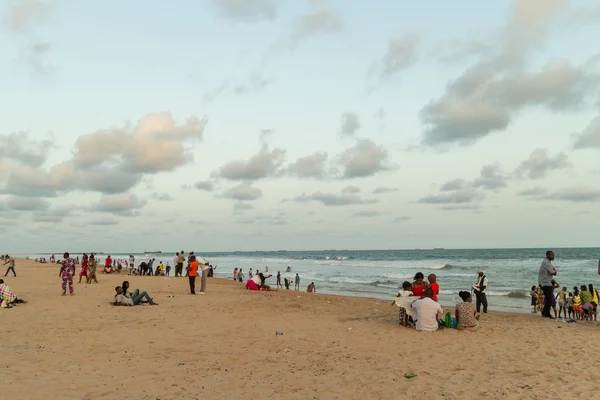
x: 479, y: 289
x: 547, y: 272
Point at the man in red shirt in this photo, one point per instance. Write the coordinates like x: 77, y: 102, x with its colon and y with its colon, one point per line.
x: 193, y: 272
x: 434, y: 286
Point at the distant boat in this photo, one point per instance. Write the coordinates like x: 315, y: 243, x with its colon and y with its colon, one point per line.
x: 152, y: 251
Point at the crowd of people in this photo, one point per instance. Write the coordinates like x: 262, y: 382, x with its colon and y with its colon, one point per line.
x: 256, y: 280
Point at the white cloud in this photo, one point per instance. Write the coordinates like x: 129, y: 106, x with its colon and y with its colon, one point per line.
x: 540, y: 163
x: 121, y: 204
x: 247, y: 10
x: 319, y: 22
x: 364, y: 159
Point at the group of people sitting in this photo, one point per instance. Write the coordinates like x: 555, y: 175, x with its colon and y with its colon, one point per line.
x: 124, y: 297
x: 419, y: 307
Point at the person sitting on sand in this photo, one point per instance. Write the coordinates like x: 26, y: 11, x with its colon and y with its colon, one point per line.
x: 7, y: 297
x: 254, y: 283
x: 432, y: 278
x: 311, y: 288
x: 419, y: 285
x: 465, y: 314
x: 122, y: 299
x: 404, y: 292
x: 427, y: 312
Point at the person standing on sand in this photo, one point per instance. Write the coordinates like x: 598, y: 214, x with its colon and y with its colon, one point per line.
x: 479, y: 289
x: 240, y: 276
x: 67, y: 272
x: 11, y: 265
x: 297, y: 281
x: 84, y: 268
x: 92, y: 265
x: 204, y: 267
x: 193, y: 272
x: 180, y: 261
x: 279, y: 285
x: 545, y: 278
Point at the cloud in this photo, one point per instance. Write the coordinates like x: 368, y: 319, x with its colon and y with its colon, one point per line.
x: 351, y: 190
x: 384, y: 190
x: 455, y: 184
x: 366, y: 214
x: 243, y: 192
x: 121, y: 204
x: 364, y: 159
x: 397, y: 220
x: 27, y: 204
x: 590, y: 137
x: 56, y: 214
x: 207, y: 186
x: 350, y: 124
x: 18, y: 147
x: 540, y: 163
x: 487, y: 95
x: 262, y: 165
x: 161, y: 196
x: 401, y: 54
x: 490, y: 178
x: 239, y: 208
x: 533, y: 192
x: 456, y: 197
x: 333, y: 200
x: 576, y: 194
x: 247, y: 10
x: 312, y: 166
x: 319, y: 22
x: 154, y: 144
x: 103, y: 222
x: 255, y: 83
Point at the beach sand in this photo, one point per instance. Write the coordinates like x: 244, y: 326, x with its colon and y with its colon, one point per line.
x: 223, y: 346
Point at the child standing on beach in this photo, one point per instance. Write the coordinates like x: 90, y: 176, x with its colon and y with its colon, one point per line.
x: 92, y: 265
x: 405, y: 292
x: 432, y: 278
x: 562, y: 301
x: 534, y: 298
x: 569, y: 304
x: 577, y: 309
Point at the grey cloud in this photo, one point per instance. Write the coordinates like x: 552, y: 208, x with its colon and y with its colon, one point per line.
x: 401, y: 54
x: 590, y: 137
x: 333, y: 200
x: 255, y: 83
x: 120, y: 204
x: 540, y: 163
x: 456, y: 197
x: 207, y: 186
x: 533, y: 192
x: 383, y: 190
x: 486, y: 96
x: 155, y: 144
x: 262, y: 165
x: 247, y: 10
x: 578, y: 194
x: 56, y: 214
x: 397, y: 220
x: 214, y: 93
x: 241, y: 207
x: 455, y: 184
x: 350, y: 124
x: 27, y: 204
x: 18, y: 147
x: 104, y: 222
x: 322, y: 21
x: 243, y: 192
x: 364, y: 159
x: 162, y: 196
x: 312, y: 166
x: 367, y: 214
x: 351, y: 190
x: 461, y: 207
x: 490, y: 178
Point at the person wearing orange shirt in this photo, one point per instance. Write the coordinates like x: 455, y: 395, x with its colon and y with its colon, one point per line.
x: 193, y: 272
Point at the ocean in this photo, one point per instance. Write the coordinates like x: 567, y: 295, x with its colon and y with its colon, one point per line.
x: 379, y: 273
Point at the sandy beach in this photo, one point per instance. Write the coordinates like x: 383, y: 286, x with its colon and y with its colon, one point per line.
x: 223, y: 345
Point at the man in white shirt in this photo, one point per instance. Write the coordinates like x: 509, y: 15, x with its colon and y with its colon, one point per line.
x: 204, y: 268
x: 427, y: 311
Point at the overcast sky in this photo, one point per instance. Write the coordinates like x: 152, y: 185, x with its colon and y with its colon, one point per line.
x: 298, y: 124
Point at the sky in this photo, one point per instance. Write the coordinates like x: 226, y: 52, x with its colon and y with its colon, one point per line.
x: 223, y: 125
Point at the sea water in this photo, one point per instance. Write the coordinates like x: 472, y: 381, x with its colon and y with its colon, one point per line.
x: 379, y: 274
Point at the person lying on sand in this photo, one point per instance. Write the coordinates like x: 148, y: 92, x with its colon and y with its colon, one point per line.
x: 7, y: 297
x: 122, y: 300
